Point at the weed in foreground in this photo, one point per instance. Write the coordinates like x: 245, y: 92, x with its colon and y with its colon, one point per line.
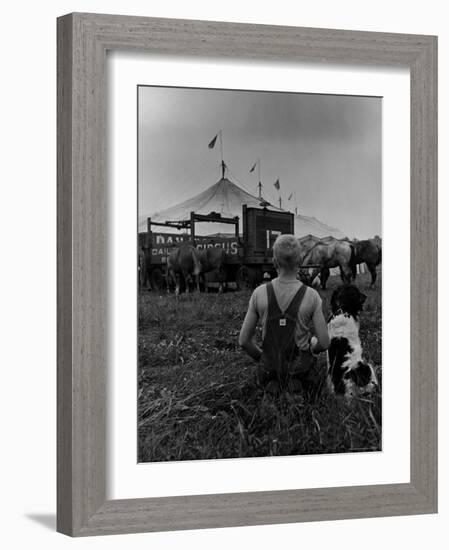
x: 198, y: 399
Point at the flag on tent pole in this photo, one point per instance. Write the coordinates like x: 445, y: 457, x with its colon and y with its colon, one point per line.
x: 254, y: 166
x: 212, y: 142
x: 277, y: 185
x: 291, y: 195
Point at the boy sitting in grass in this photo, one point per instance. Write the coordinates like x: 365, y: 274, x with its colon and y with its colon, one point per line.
x: 287, y: 310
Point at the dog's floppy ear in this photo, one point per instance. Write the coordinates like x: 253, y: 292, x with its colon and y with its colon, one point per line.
x: 362, y: 299
x: 359, y: 300
x: 336, y: 300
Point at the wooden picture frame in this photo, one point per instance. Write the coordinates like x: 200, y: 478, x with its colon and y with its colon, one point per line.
x: 83, y: 40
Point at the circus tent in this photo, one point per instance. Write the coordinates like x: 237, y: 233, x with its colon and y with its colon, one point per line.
x: 227, y: 199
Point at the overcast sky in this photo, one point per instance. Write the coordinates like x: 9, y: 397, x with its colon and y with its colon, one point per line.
x: 324, y: 148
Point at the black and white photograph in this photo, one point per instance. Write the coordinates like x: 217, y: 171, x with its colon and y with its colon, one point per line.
x: 220, y: 303
x: 259, y: 268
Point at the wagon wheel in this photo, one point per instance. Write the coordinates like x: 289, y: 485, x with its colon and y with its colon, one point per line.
x: 245, y: 278
x: 157, y: 279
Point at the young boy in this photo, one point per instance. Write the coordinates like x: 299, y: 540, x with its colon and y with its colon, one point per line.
x: 287, y: 310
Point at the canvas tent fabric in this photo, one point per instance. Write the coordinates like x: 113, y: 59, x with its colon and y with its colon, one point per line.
x: 306, y: 225
x: 224, y: 197
x: 227, y: 199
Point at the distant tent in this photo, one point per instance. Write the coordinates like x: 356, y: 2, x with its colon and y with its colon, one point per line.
x: 227, y: 198
x: 305, y: 225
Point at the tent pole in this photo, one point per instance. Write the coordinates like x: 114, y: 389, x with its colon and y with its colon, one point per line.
x: 192, y: 227
x: 223, y: 165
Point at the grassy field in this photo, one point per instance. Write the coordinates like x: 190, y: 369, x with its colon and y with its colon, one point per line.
x: 197, y: 393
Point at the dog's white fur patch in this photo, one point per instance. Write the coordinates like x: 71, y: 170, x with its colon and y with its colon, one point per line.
x: 344, y: 325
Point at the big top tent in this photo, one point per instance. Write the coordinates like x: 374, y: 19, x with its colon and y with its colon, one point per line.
x: 227, y: 199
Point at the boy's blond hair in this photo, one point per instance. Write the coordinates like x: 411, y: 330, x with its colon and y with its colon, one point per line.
x: 286, y: 252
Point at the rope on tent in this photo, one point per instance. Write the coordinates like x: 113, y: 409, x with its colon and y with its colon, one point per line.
x: 238, y: 180
x: 271, y: 201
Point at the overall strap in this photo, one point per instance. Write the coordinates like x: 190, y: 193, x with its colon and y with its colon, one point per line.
x: 293, y: 308
x: 273, y: 307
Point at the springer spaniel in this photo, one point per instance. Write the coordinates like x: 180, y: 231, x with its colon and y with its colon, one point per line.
x: 348, y: 375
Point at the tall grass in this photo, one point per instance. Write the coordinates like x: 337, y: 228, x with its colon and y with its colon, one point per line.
x: 197, y: 393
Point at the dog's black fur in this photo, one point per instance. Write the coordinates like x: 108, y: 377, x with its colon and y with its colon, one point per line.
x: 338, y: 350
x: 347, y: 299
x: 348, y: 373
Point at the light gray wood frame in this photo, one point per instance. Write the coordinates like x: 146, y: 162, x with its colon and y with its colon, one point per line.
x: 83, y: 40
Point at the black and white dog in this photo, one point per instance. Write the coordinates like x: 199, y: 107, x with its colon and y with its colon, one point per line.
x: 348, y: 375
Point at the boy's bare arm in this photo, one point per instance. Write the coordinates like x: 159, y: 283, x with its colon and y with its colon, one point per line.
x: 322, y: 335
x: 247, y: 332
